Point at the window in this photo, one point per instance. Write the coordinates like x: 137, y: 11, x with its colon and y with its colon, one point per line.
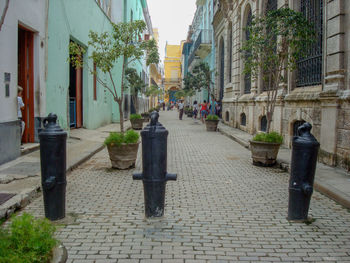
x: 229, y: 43
x: 222, y: 68
x: 247, y: 77
x: 309, y: 69
x: 263, y: 124
x: 243, y: 119
x: 227, y: 116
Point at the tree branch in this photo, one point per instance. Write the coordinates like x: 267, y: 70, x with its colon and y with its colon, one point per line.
x: 2, y: 20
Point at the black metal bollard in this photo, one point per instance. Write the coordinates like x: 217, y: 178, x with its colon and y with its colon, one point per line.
x: 53, y: 168
x: 304, y: 158
x: 154, y: 167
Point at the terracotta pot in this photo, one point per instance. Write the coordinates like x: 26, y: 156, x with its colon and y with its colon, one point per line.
x: 264, y: 153
x: 137, y: 124
x: 211, y: 125
x: 59, y: 254
x: 124, y: 156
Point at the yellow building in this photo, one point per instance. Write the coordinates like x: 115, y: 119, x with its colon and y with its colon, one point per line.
x: 172, y: 70
x: 155, y: 74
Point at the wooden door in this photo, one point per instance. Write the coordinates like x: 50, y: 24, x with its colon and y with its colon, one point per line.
x: 26, y: 80
x: 79, y: 97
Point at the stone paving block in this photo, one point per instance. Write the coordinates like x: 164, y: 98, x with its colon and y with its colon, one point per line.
x: 221, y: 209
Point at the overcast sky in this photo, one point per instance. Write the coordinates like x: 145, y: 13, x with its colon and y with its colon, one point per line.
x: 172, y: 18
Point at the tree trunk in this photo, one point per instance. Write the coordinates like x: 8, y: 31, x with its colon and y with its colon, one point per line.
x: 121, y: 117
x: 2, y: 20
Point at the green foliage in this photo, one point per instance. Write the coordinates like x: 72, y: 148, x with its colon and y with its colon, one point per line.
x: 212, y: 117
x: 29, y: 240
x: 135, y: 117
x: 134, y: 81
x: 274, y: 137
x: 117, y: 138
x: 153, y: 90
x: 275, y: 43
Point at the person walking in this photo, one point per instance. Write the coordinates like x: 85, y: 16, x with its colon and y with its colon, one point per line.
x: 195, y: 109
x: 204, y: 110
x: 181, y: 109
x: 20, y: 107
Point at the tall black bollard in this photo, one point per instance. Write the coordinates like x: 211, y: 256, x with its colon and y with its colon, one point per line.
x: 154, y: 167
x: 53, y: 167
x: 303, y: 167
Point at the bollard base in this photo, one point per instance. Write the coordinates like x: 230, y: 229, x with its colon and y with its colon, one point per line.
x: 308, y: 220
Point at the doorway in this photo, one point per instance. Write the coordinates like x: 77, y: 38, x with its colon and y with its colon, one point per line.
x: 75, y: 97
x: 26, y: 80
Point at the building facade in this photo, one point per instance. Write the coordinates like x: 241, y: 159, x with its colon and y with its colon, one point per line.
x: 172, y: 71
x: 23, y: 48
x: 318, y: 91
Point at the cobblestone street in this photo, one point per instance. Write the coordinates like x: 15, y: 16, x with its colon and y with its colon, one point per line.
x: 220, y: 209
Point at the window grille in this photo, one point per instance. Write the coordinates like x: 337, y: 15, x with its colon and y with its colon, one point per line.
x: 243, y: 119
x: 263, y: 124
x: 309, y: 68
x: 247, y: 77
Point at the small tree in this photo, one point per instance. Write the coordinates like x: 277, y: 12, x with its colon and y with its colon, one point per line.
x: 108, y: 48
x: 135, y: 84
x: 200, y: 78
x: 276, y: 42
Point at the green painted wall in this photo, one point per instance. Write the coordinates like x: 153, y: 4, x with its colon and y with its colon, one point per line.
x: 72, y: 20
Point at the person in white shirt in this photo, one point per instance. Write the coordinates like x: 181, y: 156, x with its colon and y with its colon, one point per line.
x: 181, y: 109
x: 20, y: 107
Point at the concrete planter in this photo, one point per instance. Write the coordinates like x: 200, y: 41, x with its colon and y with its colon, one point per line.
x: 124, y: 156
x: 59, y: 254
x: 264, y: 153
x: 137, y: 124
x: 211, y: 125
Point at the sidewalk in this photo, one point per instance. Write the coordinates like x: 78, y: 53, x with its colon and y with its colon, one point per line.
x: 330, y: 181
x: 20, y: 179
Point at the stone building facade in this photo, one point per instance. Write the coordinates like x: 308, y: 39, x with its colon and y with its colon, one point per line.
x: 318, y: 91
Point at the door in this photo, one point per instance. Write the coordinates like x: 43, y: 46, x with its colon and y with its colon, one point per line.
x: 26, y: 80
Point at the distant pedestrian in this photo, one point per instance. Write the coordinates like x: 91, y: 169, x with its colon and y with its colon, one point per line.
x: 163, y: 106
x: 181, y: 109
x: 195, y: 109
x: 204, y: 110
x: 20, y: 107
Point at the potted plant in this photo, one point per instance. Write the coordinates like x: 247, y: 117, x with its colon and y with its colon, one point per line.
x: 107, y: 50
x: 122, y: 148
x: 211, y: 122
x: 275, y: 43
x: 30, y: 240
x: 145, y: 116
x: 136, y: 121
x: 264, y: 148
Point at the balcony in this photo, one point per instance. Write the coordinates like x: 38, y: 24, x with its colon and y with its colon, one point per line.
x: 201, y: 46
x: 172, y: 80
x: 200, y: 2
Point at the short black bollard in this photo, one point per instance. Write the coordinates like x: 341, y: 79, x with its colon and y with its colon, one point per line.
x: 53, y: 167
x: 154, y: 167
x: 304, y: 158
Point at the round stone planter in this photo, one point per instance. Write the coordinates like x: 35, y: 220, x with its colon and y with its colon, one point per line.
x: 145, y: 117
x: 264, y: 153
x: 59, y: 254
x: 211, y: 125
x: 124, y: 156
x: 137, y: 124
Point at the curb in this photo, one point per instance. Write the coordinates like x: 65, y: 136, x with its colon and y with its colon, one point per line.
x: 236, y: 139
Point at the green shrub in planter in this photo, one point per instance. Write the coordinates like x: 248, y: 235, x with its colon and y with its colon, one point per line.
x: 117, y: 138
x: 273, y: 137
x: 28, y: 240
x: 135, y: 117
x: 212, y: 117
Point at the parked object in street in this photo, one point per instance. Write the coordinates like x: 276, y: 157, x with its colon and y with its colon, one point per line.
x: 264, y: 148
x: 136, y: 121
x: 145, y: 116
x: 53, y: 143
x: 304, y: 158
x: 211, y: 122
x: 154, y: 171
x: 122, y: 149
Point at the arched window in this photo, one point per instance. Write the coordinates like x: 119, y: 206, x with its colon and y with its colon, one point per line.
x: 309, y: 70
x: 270, y: 6
x: 229, y: 50
x: 247, y: 77
x: 263, y: 124
x: 227, y: 116
x: 222, y: 68
x: 243, y: 119
x: 296, y: 125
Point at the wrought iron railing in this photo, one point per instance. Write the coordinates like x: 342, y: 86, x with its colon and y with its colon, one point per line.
x: 204, y: 37
x: 172, y: 80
